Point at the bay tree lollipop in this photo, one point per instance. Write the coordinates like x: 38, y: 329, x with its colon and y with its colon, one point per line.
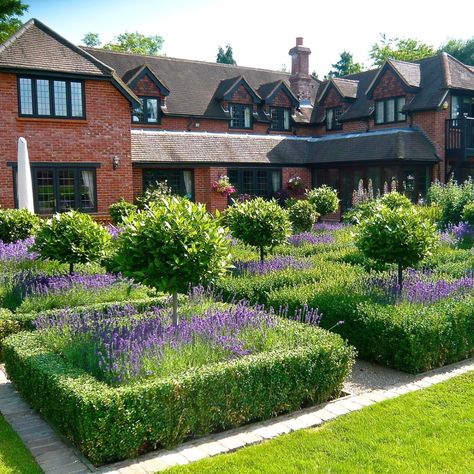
x: 172, y: 244
x: 259, y: 223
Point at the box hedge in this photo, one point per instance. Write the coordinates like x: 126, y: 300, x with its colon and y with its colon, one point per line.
x: 109, y: 423
x: 409, y: 337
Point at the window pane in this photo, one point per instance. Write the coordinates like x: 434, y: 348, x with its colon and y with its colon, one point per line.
x: 45, y: 191
x: 66, y: 190
x: 455, y: 106
x: 390, y: 111
x: 400, y: 105
x: 60, y: 107
x: 87, y: 190
x: 234, y: 116
x: 174, y: 180
x: 276, y: 181
x: 379, y: 112
x: 248, y: 117
x: 26, y: 97
x: 42, y: 93
x: 137, y: 114
x: 76, y: 99
x: 261, y: 183
x: 329, y: 119
x: 286, y: 119
x: 247, y: 182
x: 152, y: 110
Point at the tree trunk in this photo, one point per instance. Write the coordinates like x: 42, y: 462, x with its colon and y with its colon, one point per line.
x: 400, y: 278
x: 175, y: 308
x: 262, y: 254
x: 71, y: 268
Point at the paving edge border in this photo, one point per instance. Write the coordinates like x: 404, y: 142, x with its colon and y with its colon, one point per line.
x: 56, y: 457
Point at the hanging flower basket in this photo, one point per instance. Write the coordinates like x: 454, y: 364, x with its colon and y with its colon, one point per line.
x: 295, y: 182
x: 223, y: 186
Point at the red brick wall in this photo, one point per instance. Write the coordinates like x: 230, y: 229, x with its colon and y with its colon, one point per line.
x: 303, y: 173
x: 137, y: 182
x: 389, y: 85
x: 146, y: 87
x: 281, y: 99
x: 241, y: 96
x: 103, y: 134
x: 203, y: 179
x: 332, y: 99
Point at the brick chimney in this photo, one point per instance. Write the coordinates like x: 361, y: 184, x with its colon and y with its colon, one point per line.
x: 300, y: 79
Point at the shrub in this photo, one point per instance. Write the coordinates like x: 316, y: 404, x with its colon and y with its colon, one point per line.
x: 109, y: 423
x: 396, y: 235
x: 324, y: 199
x: 468, y: 213
x: 302, y: 215
x: 394, y: 200
x: 72, y: 238
x: 171, y: 245
x: 120, y: 210
x: 154, y: 194
x: 17, y: 224
x: 259, y: 223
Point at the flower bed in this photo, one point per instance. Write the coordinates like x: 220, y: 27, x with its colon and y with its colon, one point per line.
x: 289, y: 365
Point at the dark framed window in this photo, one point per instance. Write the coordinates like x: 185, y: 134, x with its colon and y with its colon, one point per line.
x: 51, y: 97
x: 241, y: 116
x: 280, y: 118
x: 149, y: 112
x: 390, y: 110
x: 180, y: 181
x: 256, y: 181
x: 332, y: 118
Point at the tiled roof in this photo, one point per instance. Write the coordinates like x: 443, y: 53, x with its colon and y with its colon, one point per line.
x: 234, y: 149
x: 35, y: 46
x: 346, y: 87
x: 409, y: 72
x: 193, y: 84
x: 458, y: 75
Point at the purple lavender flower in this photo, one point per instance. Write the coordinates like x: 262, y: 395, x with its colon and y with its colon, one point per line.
x: 329, y: 226
x: 272, y: 265
x: 17, y: 251
x: 310, y: 238
x: 462, y: 232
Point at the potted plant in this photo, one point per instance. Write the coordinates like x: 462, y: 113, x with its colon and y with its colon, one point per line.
x: 223, y: 186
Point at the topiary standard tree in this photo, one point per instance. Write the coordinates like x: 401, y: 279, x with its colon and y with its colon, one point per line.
x: 72, y: 237
x: 324, y: 199
x: 172, y: 244
x: 120, y: 210
x: 396, y: 235
x: 259, y: 223
x: 17, y: 224
x: 302, y: 214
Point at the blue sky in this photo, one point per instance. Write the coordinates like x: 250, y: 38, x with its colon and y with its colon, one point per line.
x: 260, y: 31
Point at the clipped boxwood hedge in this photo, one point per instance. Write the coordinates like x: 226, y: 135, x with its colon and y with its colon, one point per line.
x: 11, y: 323
x: 109, y: 423
x: 409, y: 337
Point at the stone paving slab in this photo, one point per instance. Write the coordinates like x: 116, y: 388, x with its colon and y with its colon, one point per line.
x: 55, y: 457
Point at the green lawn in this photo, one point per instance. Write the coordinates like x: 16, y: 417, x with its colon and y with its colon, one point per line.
x: 14, y: 457
x: 429, y: 431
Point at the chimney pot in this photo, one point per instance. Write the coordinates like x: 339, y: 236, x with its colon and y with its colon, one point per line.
x: 299, y: 41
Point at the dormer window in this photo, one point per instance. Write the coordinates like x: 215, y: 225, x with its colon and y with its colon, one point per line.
x: 240, y: 116
x: 332, y: 118
x: 389, y: 110
x: 280, y: 118
x: 149, y: 112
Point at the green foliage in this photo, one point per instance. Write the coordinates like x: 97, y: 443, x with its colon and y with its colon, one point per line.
x: 92, y: 40
x: 396, y: 235
x: 259, y: 223
x: 120, y: 210
x: 324, y: 199
x: 463, y: 50
x: 171, y: 245
x: 302, y: 214
x: 116, y: 423
x: 403, y: 49
x: 345, y: 66
x: 17, y: 224
x: 153, y: 194
x: 225, y: 57
x: 10, y: 10
x: 394, y: 200
x: 72, y: 238
x: 136, y: 43
x: 468, y: 213
x: 451, y: 199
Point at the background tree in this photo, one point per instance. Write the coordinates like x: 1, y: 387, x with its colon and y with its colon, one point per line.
x: 460, y: 49
x: 172, y: 244
x: 92, y: 40
x: 136, y: 43
x: 10, y: 10
x: 259, y: 223
x: 404, y: 49
x: 225, y: 57
x: 345, y: 65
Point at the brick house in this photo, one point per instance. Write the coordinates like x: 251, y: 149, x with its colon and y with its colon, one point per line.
x: 102, y: 125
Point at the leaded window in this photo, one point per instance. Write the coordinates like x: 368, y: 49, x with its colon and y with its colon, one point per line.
x: 332, y: 118
x: 256, y: 181
x: 181, y: 182
x: 148, y: 112
x: 390, y: 110
x: 240, y: 116
x: 44, y: 97
x: 280, y: 118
